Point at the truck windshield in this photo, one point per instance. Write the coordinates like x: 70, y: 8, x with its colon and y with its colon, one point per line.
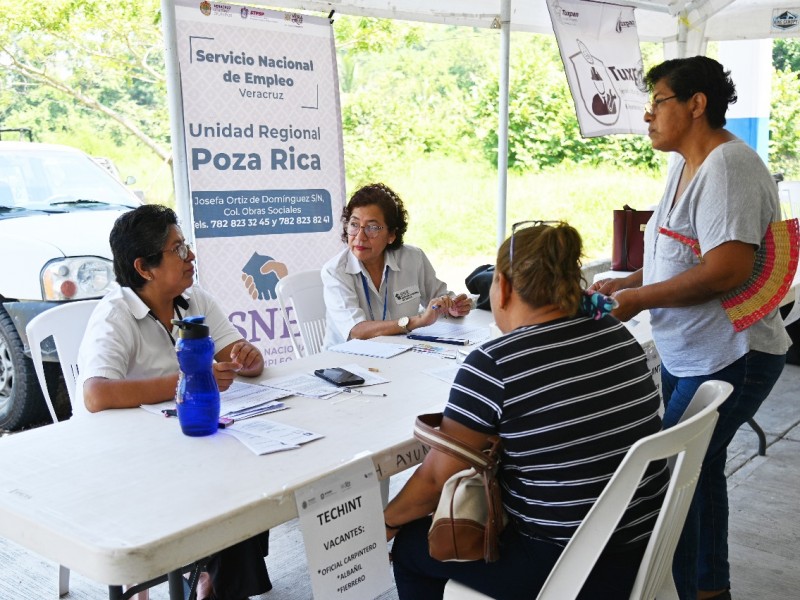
x: 39, y: 179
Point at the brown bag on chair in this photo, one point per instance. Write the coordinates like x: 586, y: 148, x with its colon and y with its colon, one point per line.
x: 628, y: 251
x: 469, y: 518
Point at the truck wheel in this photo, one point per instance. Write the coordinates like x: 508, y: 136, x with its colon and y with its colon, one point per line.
x: 21, y: 400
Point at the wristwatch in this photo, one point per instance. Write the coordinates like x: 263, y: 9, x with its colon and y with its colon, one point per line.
x: 402, y: 323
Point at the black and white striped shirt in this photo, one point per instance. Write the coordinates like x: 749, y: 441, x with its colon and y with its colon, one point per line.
x: 568, y: 398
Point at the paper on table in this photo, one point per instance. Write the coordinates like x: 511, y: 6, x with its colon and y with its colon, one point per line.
x: 264, y: 437
x: 370, y: 348
x: 369, y: 377
x: 240, y: 401
x: 304, y: 384
x: 454, y: 330
x: 446, y: 374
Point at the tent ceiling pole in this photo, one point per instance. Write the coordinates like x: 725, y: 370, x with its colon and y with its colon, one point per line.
x: 180, y: 169
x: 502, y: 137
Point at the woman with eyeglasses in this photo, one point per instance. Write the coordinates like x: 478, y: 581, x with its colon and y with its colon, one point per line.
x: 699, y: 245
x: 127, y: 356
x: 568, y: 392
x: 378, y: 285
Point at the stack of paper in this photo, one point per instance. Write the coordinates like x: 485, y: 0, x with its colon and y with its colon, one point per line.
x: 240, y: 401
x: 244, y: 400
x: 370, y: 348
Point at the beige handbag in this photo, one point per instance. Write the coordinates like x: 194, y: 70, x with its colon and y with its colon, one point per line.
x: 470, y: 517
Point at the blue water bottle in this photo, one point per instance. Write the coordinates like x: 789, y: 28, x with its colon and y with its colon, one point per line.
x: 197, y: 395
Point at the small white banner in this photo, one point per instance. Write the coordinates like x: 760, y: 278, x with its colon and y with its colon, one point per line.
x: 341, y: 517
x: 599, y: 47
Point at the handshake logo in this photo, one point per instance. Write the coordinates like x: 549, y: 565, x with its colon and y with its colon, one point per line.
x: 260, y: 276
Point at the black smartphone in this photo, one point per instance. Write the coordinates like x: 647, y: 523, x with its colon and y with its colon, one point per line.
x: 339, y: 377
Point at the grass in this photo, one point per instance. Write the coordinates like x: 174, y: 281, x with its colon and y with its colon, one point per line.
x: 453, y: 206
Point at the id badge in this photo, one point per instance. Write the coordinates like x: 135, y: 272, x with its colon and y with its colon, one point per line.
x: 409, y: 294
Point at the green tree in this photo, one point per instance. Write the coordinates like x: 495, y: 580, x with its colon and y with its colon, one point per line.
x: 89, y: 60
x: 784, y: 145
x: 786, y: 54
x: 543, y: 129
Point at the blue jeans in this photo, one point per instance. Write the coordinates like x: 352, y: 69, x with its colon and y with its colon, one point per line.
x: 520, y: 573
x: 701, y: 558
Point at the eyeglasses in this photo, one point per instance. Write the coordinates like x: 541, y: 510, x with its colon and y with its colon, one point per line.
x: 181, y: 250
x: 371, y: 231
x: 652, y: 106
x: 520, y: 225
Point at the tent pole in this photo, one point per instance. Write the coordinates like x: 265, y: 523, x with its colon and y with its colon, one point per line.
x: 502, y: 129
x: 180, y: 170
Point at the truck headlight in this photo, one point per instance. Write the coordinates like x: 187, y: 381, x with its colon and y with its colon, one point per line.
x: 77, y: 278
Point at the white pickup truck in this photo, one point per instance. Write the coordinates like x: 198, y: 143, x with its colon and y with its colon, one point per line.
x: 57, y: 207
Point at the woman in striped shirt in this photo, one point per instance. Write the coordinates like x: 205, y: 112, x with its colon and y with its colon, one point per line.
x: 568, y: 394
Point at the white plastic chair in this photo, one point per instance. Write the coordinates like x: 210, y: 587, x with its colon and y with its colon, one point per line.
x: 789, y: 192
x: 66, y: 323
x: 303, y: 292
x: 687, y: 443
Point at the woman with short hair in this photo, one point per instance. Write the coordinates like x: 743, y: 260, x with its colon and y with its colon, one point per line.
x: 378, y: 285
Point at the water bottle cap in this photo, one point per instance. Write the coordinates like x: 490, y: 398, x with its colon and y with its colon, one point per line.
x: 191, y: 328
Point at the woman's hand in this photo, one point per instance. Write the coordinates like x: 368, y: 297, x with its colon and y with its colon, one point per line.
x: 225, y: 373
x: 607, y: 286
x: 628, y: 304
x: 244, y: 358
x: 461, y: 305
x: 436, y: 307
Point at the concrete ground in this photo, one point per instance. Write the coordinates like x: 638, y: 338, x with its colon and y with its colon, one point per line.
x: 764, y: 524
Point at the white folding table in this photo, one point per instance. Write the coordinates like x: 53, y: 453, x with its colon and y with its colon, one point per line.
x: 122, y: 496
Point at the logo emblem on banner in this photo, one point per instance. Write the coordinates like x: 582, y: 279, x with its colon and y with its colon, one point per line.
x: 596, y: 86
x: 785, y: 21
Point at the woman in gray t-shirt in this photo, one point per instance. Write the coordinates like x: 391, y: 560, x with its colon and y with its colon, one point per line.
x: 699, y: 245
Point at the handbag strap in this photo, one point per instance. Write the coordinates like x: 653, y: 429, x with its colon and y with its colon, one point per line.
x: 426, y: 431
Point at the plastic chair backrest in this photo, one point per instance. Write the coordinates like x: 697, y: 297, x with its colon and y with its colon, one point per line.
x: 688, y: 440
x: 303, y: 293
x: 789, y: 192
x: 66, y: 323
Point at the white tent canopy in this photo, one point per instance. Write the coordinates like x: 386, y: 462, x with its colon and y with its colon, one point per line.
x: 657, y: 20
x: 683, y: 26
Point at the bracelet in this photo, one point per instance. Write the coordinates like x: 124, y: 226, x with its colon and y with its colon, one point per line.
x: 391, y: 526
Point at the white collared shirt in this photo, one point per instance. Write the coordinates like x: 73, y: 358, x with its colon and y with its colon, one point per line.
x: 123, y: 340
x: 409, y: 283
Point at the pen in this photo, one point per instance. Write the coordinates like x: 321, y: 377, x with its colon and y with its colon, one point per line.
x: 354, y: 391
x: 169, y: 412
x: 441, y: 340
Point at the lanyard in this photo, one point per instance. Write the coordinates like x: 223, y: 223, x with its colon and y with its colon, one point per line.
x: 180, y: 318
x: 385, y: 293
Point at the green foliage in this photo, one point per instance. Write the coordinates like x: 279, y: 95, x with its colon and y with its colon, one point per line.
x: 786, y: 54
x: 452, y: 206
x: 99, y: 60
x: 784, y: 145
x: 543, y: 129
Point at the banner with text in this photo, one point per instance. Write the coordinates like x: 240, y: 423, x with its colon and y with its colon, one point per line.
x: 341, y: 517
x: 599, y: 47
x: 265, y: 156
